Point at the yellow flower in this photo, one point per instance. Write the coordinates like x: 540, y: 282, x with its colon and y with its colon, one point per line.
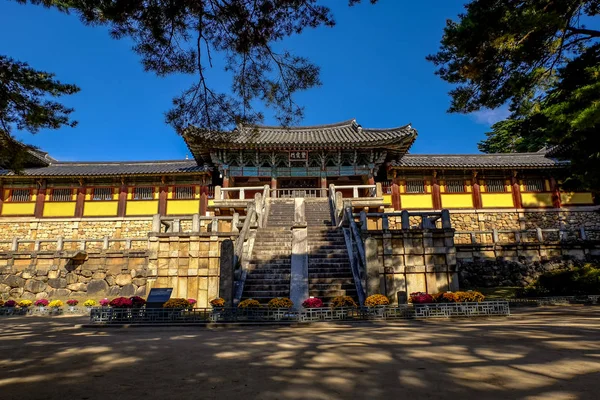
x: 55, y: 304
x: 89, y: 303
x: 25, y: 303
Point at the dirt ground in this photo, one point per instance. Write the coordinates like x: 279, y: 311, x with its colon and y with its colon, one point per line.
x: 543, y: 353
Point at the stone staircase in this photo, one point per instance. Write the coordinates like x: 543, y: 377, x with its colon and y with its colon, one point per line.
x: 317, y: 212
x: 270, y: 264
x: 329, y: 272
x: 269, y: 268
x: 281, y: 213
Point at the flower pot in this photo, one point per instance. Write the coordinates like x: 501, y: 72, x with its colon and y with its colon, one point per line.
x: 72, y: 309
x: 42, y: 309
x: 55, y: 311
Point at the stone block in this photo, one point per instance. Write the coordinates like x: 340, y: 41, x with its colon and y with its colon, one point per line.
x: 97, y: 286
x: 16, y: 292
x: 123, y: 279
x: 128, y: 290
x: 79, y: 287
x: 110, y: 280
x: 27, y: 296
x: 28, y: 274
x: 113, y: 291
x: 71, y: 278
x: 4, y: 288
x: 41, y: 295
x: 138, y: 282
x: 14, y: 281
x: 141, y: 291
x: 34, y: 286
x: 99, y: 275
x: 58, y: 283
x: 53, y: 273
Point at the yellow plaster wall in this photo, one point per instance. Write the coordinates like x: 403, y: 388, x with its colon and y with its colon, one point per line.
x: 491, y: 200
x: 536, y: 199
x: 18, y: 208
x: 59, y: 209
x: 416, y: 201
x: 387, y: 199
x: 179, y: 207
x: 100, y: 208
x: 141, y: 207
x: 576, y: 198
x: 459, y: 200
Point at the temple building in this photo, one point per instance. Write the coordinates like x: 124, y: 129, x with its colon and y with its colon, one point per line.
x: 329, y: 166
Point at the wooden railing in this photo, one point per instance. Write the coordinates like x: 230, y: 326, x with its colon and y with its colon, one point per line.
x: 537, y: 235
x: 298, y: 192
x: 409, y: 220
x: 195, y: 223
x: 358, y: 191
x: 240, y: 193
x: 61, y: 244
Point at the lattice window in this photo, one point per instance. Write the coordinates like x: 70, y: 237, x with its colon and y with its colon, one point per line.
x: 415, y: 186
x: 184, y: 192
x: 495, y: 185
x: 20, y: 195
x: 143, y: 193
x: 102, y: 194
x: 534, y: 185
x: 211, y: 192
x: 61, y: 195
x: 455, y: 186
x: 386, y: 186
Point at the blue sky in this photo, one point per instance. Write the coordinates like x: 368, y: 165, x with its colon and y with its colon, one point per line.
x: 372, y: 63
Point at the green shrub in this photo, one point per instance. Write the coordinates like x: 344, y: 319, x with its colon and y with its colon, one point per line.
x: 565, y: 282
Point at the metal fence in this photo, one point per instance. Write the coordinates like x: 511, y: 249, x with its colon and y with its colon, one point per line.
x: 105, y: 315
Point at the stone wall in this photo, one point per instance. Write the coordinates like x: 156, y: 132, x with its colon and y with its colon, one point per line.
x: 62, y: 275
x: 487, y: 265
x: 89, y: 228
x: 187, y: 263
x: 402, y: 262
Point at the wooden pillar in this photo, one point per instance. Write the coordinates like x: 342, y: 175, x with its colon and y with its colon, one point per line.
x: 556, y: 203
x: 273, y: 185
x: 476, y: 192
x: 396, y: 196
x: 203, y: 200
x: 122, y: 206
x: 435, y: 192
x: 39, y: 200
x: 80, y: 202
x: 323, y: 185
x: 371, y: 179
x: 226, y: 178
x: 162, y: 200
x: 1, y: 196
x: 516, y: 191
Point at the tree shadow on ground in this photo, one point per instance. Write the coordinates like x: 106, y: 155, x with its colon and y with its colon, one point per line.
x: 542, y: 353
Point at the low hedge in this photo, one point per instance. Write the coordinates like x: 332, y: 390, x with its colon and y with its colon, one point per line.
x: 572, y: 281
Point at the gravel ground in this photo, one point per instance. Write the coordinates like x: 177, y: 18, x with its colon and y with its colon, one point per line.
x: 541, y: 353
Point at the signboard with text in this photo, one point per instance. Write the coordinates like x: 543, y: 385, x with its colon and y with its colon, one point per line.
x: 299, y: 155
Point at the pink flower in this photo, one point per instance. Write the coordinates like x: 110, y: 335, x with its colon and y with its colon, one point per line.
x: 192, y: 301
x: 421, y: 298
x: 121, y: 302
x: 104, y: 302
x: 313, y: 302
x: 72, y: 302
x: 41, y: 302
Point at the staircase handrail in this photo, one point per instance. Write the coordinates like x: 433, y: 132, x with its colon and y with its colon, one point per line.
x: 239, y: 243
x: 355, y: 239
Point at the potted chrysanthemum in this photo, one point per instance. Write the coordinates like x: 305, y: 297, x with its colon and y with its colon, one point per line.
x: 89, y: 303
x: 24, y: 306
x: 72, y: 303
x: 41, y: 305
x: 56, y: 307
x: 9, y: 306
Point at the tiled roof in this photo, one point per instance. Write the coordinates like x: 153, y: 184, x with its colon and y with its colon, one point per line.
x: 112, y: 168
x: 33, y: 158
x: 485, y: 161
x: 347, y: 134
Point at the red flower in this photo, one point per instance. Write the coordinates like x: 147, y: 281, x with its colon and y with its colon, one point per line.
x: 421, y: 298
x: 121, y: 302
x: 313, y: 302
x: 137, y: 301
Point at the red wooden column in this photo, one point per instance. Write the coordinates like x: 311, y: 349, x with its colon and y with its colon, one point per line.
x: 80, y: 201
x: 1, y: 196
x: 226, y: 178
x: 162, y: 200
x: 324, y: 185
x: 39, y: 201
x: 435, y: 192
x: 396, y: 196
x: 516, y: 191
x: 122, y: 200
x: 476, y: 192
x: 556, y: 203
x: 203, y: 200
x: 273, y: 186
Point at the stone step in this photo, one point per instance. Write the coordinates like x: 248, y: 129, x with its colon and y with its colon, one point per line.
x: 274, y: 278
x: 331, y: 280
x: 330, y: 275
x: 328, y: 261
x: 265, y: 294
x: 253, y: 287
x: 329, y: 294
